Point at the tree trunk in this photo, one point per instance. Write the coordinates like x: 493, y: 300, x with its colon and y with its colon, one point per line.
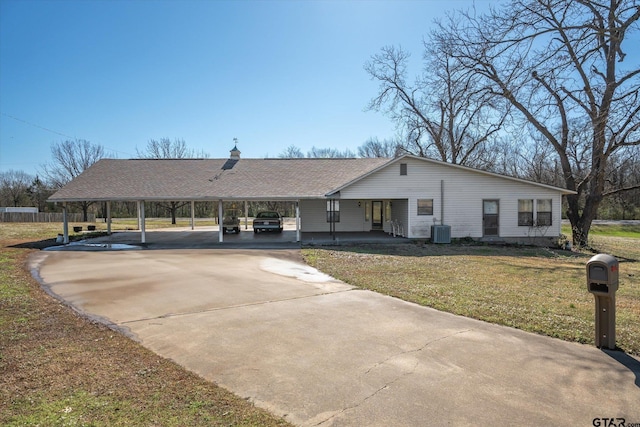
x: 174, y: 208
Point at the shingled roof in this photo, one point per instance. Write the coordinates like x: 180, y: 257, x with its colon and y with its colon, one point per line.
x: 213, y: 179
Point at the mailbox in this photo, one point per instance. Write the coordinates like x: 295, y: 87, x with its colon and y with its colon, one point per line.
x: 602, y: 282
x: 602, y: 274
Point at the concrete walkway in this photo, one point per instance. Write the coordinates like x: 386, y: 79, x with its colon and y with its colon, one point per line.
x: 320, y: 353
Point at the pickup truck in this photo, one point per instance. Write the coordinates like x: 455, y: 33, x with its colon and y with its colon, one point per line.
x: 268, y: 221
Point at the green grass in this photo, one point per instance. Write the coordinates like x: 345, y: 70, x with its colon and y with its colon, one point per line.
x: 610, y: 230
x: 533, y: 289
x: 58, y: 369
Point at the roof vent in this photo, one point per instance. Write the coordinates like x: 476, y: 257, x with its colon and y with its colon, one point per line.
x: 235, y: 153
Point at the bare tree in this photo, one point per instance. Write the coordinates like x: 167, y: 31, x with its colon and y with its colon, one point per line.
x: 14, y: 188
x: 165, y: 148
x: 69, y: 159
x: 328, y: 153
x: 560, y: 64
x: 291, y: 152
x: 373, y: 147
x: 442, y: 115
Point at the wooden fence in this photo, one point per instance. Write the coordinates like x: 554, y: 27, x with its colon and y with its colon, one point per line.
x: 43, y: 217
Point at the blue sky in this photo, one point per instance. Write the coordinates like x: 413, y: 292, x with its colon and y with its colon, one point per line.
x: 270, y: 73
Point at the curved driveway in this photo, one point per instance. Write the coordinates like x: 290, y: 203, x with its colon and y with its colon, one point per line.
x: 318, y: 352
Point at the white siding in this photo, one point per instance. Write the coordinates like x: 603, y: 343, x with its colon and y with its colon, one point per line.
x: 463, y: 194
x: 313, y: 214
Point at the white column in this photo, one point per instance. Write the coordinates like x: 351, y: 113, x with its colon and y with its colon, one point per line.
x: 65, y: 224
x: 220, y: 224
x: 141, y: 219
x: 138, y: 228
x: 193, y: 213
x: 246, y: 215
x: 109, y: 218
x: 298, y: 233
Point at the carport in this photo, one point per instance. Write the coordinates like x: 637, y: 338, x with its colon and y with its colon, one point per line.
x: 213, y: 180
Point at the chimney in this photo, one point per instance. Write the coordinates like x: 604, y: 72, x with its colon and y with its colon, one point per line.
x: 235, y: 153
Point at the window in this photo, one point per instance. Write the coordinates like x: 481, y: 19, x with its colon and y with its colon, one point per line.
x: 425, y: 206
x: 543, y: 212
x: 525, y: 212
x: 333, y: 210
x: 403, y: 168
x: 367, y: 211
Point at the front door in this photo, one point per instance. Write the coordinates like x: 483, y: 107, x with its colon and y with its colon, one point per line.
x: 376, y: 215
x: 490, y: 216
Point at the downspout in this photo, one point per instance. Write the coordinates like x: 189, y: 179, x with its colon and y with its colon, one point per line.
x: 442, y: 202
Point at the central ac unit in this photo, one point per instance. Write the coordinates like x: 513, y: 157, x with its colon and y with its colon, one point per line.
x: 441, y: 233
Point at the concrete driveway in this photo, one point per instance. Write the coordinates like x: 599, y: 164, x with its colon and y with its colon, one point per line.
x: 321, y: 353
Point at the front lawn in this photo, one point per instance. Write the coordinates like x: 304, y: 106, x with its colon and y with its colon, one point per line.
x: 534, y: 289
x: 58, y: 369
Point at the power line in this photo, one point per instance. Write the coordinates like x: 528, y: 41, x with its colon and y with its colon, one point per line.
x: 58, y: 133
x: 38, y: 126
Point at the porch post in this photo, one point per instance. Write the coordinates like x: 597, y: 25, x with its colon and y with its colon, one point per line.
x: 246, y: 215
x: 193, y: 213
x: 142, y: 221
x: 109, y: 218
x: 220, y: 222
x: 298, y: 238
x: 65, y: 224
x: 138, y: 228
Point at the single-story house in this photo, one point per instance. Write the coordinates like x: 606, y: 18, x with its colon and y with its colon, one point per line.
x: 415, y: 197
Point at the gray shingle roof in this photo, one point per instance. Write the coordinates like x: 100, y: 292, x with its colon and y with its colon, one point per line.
x: 212, y: 179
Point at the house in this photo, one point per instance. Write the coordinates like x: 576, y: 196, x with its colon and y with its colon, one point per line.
x: 415, y: 197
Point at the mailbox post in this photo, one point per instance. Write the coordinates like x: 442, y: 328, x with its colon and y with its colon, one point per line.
x: 602, y: 282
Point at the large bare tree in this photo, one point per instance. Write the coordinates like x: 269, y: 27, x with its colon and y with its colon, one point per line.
x: 562, y: 65
x: 373, y: 147
x: 14, y: 188
x: 442, y: 114
x: 68, y: 160
x: 165, y: 148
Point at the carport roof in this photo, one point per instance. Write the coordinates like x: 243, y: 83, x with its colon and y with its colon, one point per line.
x: 213, y: 179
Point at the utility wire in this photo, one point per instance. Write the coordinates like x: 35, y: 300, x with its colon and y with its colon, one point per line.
x: 58, y: 133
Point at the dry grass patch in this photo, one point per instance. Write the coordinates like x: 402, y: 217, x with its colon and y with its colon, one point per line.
x: 58, y: 369
x: 537, y: 290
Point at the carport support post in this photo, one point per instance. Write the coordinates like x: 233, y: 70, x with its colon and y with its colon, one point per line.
x: 193, y: 213
x: 246, y: 215
x: 65, y: 224
x: 109, y: 218
x: 141, y: 219
x: 220, y: 224
x: 297, y: 221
